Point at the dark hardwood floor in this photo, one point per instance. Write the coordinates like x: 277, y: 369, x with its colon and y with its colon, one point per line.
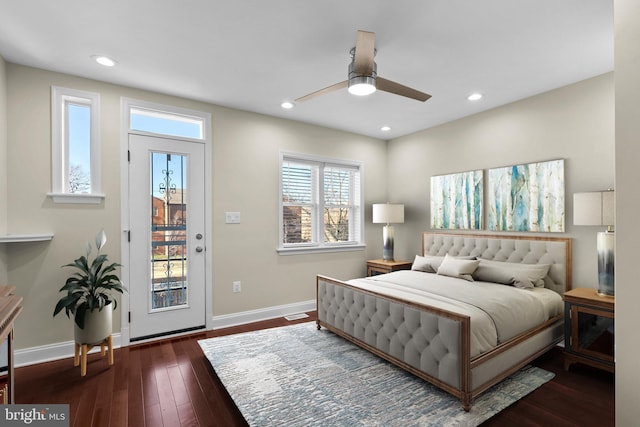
x: 170, y: 383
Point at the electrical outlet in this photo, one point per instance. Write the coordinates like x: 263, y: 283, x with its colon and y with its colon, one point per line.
x: 237, y: 286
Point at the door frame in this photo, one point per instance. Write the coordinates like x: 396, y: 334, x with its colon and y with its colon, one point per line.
x: 125, y: 105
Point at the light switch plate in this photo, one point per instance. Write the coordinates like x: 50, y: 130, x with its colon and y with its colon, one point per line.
x: 237, y: 286
x: 232, y: 217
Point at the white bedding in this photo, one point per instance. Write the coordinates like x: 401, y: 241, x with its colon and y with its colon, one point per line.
x: 498, y: 312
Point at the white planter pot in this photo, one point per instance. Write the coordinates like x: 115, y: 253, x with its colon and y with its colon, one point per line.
x: 97, y: 326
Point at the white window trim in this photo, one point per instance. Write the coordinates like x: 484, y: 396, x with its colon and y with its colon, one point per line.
x: 59, y: 95
x: 129, y: 103
x: 319, y: 246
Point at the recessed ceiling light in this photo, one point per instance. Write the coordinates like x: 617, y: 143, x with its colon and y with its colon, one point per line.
x: 287, y: 105
x: 104, y: 60
x: 385, y: 128
x: 474, y: 96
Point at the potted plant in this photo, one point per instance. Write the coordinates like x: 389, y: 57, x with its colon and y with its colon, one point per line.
x: 90, y: 294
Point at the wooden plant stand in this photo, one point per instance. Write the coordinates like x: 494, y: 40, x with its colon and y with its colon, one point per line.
x: 81, y: 351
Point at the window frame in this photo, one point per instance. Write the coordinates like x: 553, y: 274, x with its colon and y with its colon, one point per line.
x: 317, y: 218
x: 129, y: 104
x: 60, y: 97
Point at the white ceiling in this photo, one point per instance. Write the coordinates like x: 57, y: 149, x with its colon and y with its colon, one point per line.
x: 254, y: 54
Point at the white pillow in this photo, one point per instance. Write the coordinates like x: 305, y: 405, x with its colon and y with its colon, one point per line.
x: 460, y: 268
x: 510, y: 273
x: 428, y: 264
x: 431, y: 263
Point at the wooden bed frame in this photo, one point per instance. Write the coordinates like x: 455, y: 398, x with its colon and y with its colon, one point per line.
x: 340, y: 307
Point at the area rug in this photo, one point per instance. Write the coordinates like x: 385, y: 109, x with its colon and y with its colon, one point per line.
x: 299, y: 376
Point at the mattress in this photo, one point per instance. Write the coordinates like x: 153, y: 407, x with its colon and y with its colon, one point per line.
x: 498, y: 312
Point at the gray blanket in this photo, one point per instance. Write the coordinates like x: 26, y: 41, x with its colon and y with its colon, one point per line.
x: 498, y: 312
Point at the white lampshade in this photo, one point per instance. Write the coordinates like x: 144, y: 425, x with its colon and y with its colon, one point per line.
x: 594, y: 208
x: 386, y: 213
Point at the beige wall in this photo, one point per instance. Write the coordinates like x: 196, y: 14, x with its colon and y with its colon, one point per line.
x: 574, y: 123
x: 3, y: 168
x: 246, y: 153
x: 627, y: 90
x: 245, y: 179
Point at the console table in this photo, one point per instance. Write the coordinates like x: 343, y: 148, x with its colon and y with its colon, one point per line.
x: 10, y: 307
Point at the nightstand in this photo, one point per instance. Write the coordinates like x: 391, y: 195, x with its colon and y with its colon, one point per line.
x: 589, y: 335
x: 380, y: 266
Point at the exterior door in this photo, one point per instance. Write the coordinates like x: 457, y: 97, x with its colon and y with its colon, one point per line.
x: 167, y: 227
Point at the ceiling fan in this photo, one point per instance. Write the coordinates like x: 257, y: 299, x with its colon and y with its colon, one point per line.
x: 363, y: 74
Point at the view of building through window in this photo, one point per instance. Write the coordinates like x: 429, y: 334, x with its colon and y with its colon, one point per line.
x: 298, y: 204
x: 168, y: 230
x: 320, y: 203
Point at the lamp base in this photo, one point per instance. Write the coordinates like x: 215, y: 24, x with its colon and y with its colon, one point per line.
x: 606, y: 242
x: 387, y: 241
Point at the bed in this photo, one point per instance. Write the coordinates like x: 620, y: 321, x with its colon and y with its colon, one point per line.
x: 436, y: 320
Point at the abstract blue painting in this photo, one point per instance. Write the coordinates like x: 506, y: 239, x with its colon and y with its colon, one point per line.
x: 456, y: 200
x: 526, y: 197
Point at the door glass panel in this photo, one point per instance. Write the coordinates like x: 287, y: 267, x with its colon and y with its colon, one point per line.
x: 168, y: 231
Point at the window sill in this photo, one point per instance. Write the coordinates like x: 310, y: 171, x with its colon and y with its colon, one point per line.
x: 83, y: 199
x: 320, y: 249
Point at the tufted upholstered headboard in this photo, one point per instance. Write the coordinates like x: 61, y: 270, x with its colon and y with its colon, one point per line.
x: 555, y: 251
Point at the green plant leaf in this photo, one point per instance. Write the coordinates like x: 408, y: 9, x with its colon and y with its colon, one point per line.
x: 79, y: 316
x: 68, y: 303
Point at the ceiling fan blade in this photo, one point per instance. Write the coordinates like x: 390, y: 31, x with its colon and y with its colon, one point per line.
x: 365, y: 52
x: 398, y: 89
x: 327, y: 89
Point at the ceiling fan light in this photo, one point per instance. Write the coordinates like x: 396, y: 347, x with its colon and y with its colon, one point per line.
x: 362, y: 85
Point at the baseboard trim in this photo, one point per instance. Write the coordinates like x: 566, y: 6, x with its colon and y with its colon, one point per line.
x: 63, y: 350
x: 51, y: 352
x: 244, y: 317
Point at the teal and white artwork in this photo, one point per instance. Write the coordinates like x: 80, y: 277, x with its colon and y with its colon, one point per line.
x: 526, y: 197
x: 456, y: 201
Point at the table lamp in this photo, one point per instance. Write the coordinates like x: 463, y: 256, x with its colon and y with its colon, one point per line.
x: 386, y: 213
x: 598, y: 208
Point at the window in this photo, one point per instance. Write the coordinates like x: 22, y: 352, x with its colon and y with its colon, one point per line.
x: 148, y: 118
x: 75, y: 146
x: 320, y: 204
x: 153, y: 121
